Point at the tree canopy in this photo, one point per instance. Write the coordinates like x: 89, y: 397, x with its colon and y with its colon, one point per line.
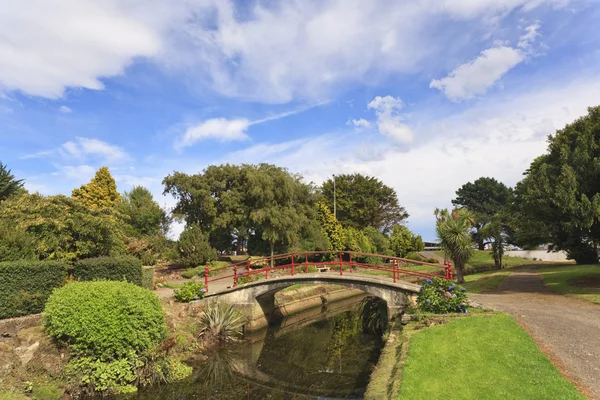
x: 452, y: 229
x: 363, y: 201
x: 143, y: 214
x: 100, y: 192
x: 9, y: 186
x: 558, y: 201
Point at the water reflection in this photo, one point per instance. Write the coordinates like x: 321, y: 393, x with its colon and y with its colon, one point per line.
x: 331, y: 357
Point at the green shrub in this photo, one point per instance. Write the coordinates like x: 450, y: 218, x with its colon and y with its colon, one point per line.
x: 220, y: 323
x: 93, y: 375
x: 190, y: 291
x: 193, y: 272
x: 148, y: 277
x: 26, y: 285
x: 243, y: 279
x: 105, y: 320
x: 118, y: 268
x: 442, y: 296
x: 415, y: 257
x: 432, y: 260
x: 194, y: 248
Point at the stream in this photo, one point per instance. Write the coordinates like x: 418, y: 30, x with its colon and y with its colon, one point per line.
x: 326, y: 353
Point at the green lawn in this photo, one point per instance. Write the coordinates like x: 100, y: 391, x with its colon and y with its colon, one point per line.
x: 480, y: 357
x: 571, y: 280
x: 485, y: 281
x: 484, y: 258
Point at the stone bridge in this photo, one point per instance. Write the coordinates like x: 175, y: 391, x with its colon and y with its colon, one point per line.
x: 256, y: 300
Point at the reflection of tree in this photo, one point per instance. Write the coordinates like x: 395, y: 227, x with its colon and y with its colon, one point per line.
x: 217, y: 371
x: 344, y: 328
x: 374, y: 315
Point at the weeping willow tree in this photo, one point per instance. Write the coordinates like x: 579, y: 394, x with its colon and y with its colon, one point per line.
x: 453, y: 231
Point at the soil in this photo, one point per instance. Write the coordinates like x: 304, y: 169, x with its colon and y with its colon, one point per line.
x: 565, y: 328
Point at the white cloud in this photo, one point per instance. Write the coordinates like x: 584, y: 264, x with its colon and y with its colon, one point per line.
x: 65, y: 109
x: 47, y: 46
x: 79, y: 173
x: 475, y: 77
x: 83, y: 147
x: 359, y: 123
x: 531, y: 34
x: 225, y: 130
x: 389, y: 120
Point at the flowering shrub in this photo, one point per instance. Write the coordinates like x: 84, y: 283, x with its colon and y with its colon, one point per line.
x: 190, y: 291
x: 441, y: 296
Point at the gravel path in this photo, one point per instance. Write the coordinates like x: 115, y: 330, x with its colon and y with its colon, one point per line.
x: 566, y: 329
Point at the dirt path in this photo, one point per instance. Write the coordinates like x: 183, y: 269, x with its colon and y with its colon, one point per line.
x: 566, y: 329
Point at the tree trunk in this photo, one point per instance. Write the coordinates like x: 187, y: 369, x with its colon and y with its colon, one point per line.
x: 459, y: 272
x: 272, y: 245
x: 480, y: 244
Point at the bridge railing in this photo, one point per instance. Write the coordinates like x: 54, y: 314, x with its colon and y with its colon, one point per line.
x: 342, y: 262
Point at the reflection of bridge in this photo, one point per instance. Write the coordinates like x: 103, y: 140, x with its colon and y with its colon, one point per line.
x: 392, y: 279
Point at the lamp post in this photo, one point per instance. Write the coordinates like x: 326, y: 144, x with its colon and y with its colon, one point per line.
x: 334, y: 209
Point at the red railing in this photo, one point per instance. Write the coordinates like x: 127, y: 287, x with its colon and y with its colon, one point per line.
x: 395, y: 267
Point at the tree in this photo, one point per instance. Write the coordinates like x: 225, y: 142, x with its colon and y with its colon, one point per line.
x: 194, y: 248
x: 143, y: 214
x: 331, y: 226
x: 484, y: 198
x: 64, y: 228
x: 100, y: 192
x: 453, y: 232
x: 363, y: 201
x: 558, y: 201
x: 403, y: 241
x: 9, y: 186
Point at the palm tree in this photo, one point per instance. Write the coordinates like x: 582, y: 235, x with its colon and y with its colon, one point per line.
x: 453, y: 232
x: 9, y: 186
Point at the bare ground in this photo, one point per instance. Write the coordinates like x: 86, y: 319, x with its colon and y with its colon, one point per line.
x: 565, y: 328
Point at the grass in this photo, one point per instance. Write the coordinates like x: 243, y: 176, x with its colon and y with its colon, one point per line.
x: 485, y: 281
x: 560, y: 279
x: 485, y: 259
x: 480, y: 357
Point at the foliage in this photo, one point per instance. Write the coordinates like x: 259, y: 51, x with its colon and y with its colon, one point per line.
x: 453, y: 232
x: 558, y: 201
x: 464, y: 358
x: 26, y: 285
x: 144, y: 215
x: 356, y: 240
x: 363, y: 201
x: 98, y: 193
x: 442, y: 296
x: 243, y: 278
x: 194, y: 248
x: 64, y: 228
x: 9, y: 186
x: 110, y: 268
x: 220, y: 323
x: 485, y: 198
x: 331, y: 226
x: 16, y: 243
x: 403, y: 241
x: 374, y: 315
x: 190, y: 291
x: 104, y: 320
x: 147, y: 277
x: 380, y: 243
x: 115, y: 376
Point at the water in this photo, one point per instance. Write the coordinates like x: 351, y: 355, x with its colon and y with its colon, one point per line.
x: 321, y: 354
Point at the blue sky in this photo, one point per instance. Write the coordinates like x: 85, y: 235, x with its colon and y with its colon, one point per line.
x: 424, y: 94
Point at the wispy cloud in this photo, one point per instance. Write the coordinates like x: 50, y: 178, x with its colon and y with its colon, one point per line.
x: 389, y: 121
x: 83, y: 147
x: 65, y: 109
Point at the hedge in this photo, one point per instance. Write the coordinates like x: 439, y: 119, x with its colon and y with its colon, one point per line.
x: 26, y: 285
x: 148, y: 277
x: 118, y: 268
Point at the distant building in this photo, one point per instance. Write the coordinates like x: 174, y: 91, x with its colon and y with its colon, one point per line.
x: 432, y: 246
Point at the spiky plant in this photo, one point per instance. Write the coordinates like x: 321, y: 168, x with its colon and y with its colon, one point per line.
x: 453, y: 232
x: 220, y: 323
x: 9, y: 186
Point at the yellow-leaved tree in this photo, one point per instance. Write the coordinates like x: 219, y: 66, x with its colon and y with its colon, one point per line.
x: 100, y: 192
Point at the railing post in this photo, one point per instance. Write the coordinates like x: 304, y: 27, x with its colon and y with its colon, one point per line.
x: 340, y: 263
x: 395, y: 269
x: 293, y: 264
x: 206, y: 278
x: 234, y: 276
x: 350, y: 262
x: 306, y: 262
x: 248, y: 271
x: 450, y: 269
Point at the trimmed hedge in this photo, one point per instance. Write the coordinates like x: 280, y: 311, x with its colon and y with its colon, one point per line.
x: 148, y: 277
x: 26, y: 285
x: 118, y: 268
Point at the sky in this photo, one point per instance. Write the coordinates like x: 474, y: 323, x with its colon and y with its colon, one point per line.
x: 425, y: 95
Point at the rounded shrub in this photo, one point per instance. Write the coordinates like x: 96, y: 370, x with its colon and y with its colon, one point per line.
x: 189, y: 291
x: 105, y: 320
x: 442, y: 296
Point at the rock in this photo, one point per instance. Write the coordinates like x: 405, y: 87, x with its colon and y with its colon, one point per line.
x: 26, y: 353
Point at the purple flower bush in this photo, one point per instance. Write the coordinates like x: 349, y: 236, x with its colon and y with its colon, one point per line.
x: 441, y: 296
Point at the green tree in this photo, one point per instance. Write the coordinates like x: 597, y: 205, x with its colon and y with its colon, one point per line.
x: 194, y: 248
x: 64, y: 228
x: 363, y: 201
x: 331, y: 226
x: 100, y: 192
x: 9, y: 186
x: 484, y: 198
x: 558, y: 201
x: 143, y: 214
x: 380, y: 243
x: 403, y: 241
x: 453, y: 232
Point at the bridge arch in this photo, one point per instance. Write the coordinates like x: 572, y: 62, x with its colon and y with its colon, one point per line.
x: 256, y: 300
